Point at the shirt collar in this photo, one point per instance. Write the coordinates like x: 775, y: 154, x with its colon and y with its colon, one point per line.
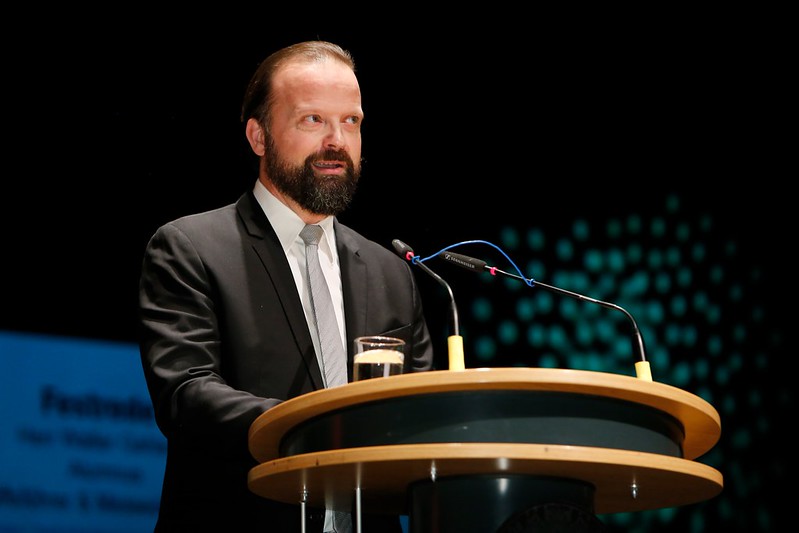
x: 286, y: 223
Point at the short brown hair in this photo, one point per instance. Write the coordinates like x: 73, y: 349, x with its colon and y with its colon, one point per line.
x: 258, y: 96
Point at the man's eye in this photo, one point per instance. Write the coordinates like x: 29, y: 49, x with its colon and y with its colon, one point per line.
x: 354, y: 120
x: 313, y: 118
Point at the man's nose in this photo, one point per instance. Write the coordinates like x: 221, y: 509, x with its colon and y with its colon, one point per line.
x: 334, y: 137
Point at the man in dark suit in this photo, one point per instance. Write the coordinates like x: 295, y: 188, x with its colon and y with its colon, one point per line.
x: 226, y: 329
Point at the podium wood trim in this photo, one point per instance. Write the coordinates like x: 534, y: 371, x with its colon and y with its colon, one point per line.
x: 384, y: 472
x: 700, y: 420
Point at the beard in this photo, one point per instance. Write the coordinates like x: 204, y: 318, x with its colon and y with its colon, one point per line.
x: 317, y: 193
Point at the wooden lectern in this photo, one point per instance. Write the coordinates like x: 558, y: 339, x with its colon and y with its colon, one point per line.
x: 463, y: 451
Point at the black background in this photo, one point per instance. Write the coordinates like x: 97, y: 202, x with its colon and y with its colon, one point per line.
x: 119, y: 126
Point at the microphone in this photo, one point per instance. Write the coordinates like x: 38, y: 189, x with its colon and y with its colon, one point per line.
x: 642, y: 368
x: 454, y: 341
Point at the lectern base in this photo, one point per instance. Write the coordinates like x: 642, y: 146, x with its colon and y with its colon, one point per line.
x: 486, y: 503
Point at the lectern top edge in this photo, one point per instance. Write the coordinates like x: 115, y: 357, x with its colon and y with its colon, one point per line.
x: 700, y: 420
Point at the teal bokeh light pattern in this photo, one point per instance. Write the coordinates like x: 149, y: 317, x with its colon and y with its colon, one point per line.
x: 693, y: 278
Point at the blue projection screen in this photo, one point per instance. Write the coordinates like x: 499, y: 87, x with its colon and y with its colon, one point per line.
x: 80, y: 448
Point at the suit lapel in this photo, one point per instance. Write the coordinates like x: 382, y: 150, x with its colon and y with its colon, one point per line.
x: 267, y: 247
x: 353, y: 274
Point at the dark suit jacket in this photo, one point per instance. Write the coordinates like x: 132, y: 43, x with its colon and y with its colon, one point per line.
x: 224, y: 338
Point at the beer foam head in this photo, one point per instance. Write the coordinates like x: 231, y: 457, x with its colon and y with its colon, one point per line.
x: 379, y: 357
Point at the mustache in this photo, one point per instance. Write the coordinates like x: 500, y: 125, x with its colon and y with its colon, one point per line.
x: 331, y: 154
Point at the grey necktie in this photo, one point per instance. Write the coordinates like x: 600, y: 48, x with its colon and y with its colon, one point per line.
x: 334, y: 359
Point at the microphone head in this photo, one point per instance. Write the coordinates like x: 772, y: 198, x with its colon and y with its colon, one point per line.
x: 403, y: 249
x: 464, y: 261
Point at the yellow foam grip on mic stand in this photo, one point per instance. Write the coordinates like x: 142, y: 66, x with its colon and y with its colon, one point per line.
x: 455, y: 345
x: 643, y: 371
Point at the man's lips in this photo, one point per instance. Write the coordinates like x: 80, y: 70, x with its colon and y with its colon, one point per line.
x: 330, y: 167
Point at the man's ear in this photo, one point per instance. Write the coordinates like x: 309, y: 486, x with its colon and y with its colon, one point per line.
x: 255, y: 136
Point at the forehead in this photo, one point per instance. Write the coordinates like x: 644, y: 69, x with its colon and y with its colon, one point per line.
x: 307, y: 84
